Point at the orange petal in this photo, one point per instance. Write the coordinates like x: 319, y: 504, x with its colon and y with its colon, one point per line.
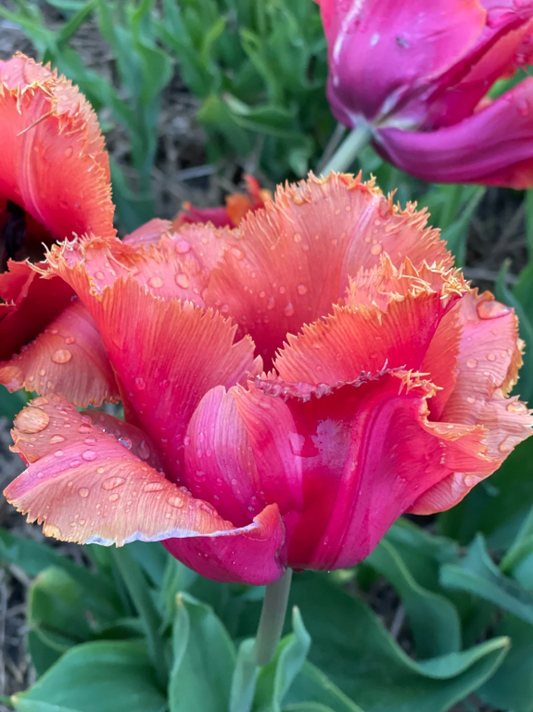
x: 363, y: 339
x: 87, y: 487
x: 295, y: 257
x: 53, y: 162
x: 68, y: 357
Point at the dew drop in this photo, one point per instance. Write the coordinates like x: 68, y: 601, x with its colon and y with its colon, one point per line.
x: 491, y: 357
x: 271, y: 303
x: 491, y: 310
x: 297, y: 237
x: 471, y: 399
x: 176, y: 502
x: 83, y: 492
x: 182, y: 247
x: 153, y: 487
x: 182, y: 280
x: 140, y: 384
x: 470, y: 480
x: 90, y: 441
x: 376, y: 249
x: 126, y: 442
x: 507, y: 444
x: 99, y: 275
x: 56, y: 439
x: 70, y: 340
x: 113, y: 497
x: 88, y: 455
x: 68, y: 152
x: 302, y: 289
x: 84, y: 429
x: 238, y: 253
x: 155, y: 282
x: 31, y: 420
x: 59, y: 453
x: 289, y: 310
x: 471, y: 363
x: 143, y: 450
x: 112, y: 483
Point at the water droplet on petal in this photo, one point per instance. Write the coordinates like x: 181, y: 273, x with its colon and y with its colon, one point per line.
x: 99, y: 275
x: 83, y: 492
x: 155, y: 282
x: 90, y: 441
x: 289, y: 309
x: 88, y: 455
x: 491, y: 310
x: 84, y: 429
x: 376, y: 249
x: 471, y: 399
x: 70, y: 340
x: 297, y: 237
x: 31, y: 420
x: 68, y: 152
x: 238, y: 253
x: 176, y: 502
x: 302, y: 289
x: 143, y: 450
x: 112, y: 483
x: 470, y: 480
x: 182, y: 247
x: 182, y: 280
x: 153, y: 487
x: 59, y: 453
x: 140, y: 384
x: 471, y: 363
x: 56, y: 439
x: 61, y: 356
x: 113, y: 497
x: 126, y: 442
x: 491, y: 357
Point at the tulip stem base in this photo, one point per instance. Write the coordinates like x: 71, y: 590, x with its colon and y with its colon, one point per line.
x: 347, y: 152
x: 272, y: 618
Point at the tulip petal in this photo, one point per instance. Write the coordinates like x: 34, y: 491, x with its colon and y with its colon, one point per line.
x: 380, y: 50
x: 167, y: 355
x: 219, y: 460
x: 53, y: 162
x: 293, y: 259
x: 364, y: 453
x: 493, y: 146
x: 87, y: 487
x: 31, y: 304
x: 68, y: 357
x: 488, y: 360
x: 336, y: 349
x: 148, y: 234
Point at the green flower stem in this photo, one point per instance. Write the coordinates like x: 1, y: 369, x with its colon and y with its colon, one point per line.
x: 347, y: 152
x: 272, y: 618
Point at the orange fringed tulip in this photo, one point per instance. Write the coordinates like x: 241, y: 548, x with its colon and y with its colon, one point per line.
x: 291, y: 387
x: 230, y: 215
x: 54, y: 184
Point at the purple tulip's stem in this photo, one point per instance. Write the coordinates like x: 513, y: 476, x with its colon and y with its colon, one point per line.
x: 345, y: 155
x: 272, y: 618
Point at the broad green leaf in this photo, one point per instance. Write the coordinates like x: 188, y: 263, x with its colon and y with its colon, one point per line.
x: 11, y: 403
x: 511, y: 686
x: 479, y: 575
x: 351, y: 647
x: 96, y: 677
x: 312, y: 691
x: 244, y: 678
x: 433, y: 619
x: 204, y: 659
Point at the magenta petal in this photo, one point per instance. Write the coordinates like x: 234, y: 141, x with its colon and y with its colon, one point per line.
x: 251, y: 557
x: 380, y: 50
x: 493, y: 146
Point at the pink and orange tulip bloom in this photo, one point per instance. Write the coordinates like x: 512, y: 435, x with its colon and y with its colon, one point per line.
x: 418, y: 73
x: 290, y: 387
x: 54, y: 184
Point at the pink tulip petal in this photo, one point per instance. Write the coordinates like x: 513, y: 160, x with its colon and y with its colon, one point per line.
x: 220, y: 466
x: 53, y: 162
x: 488, y: 360
x: 294, y: 258
x: 68, y: 357
x: 167, y: 355
x: 87, y: 487
x: 31, y: 304
x: 380, y: 50
x: 363, y: 454
x: 148, y: 234
x: 493, y: 146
